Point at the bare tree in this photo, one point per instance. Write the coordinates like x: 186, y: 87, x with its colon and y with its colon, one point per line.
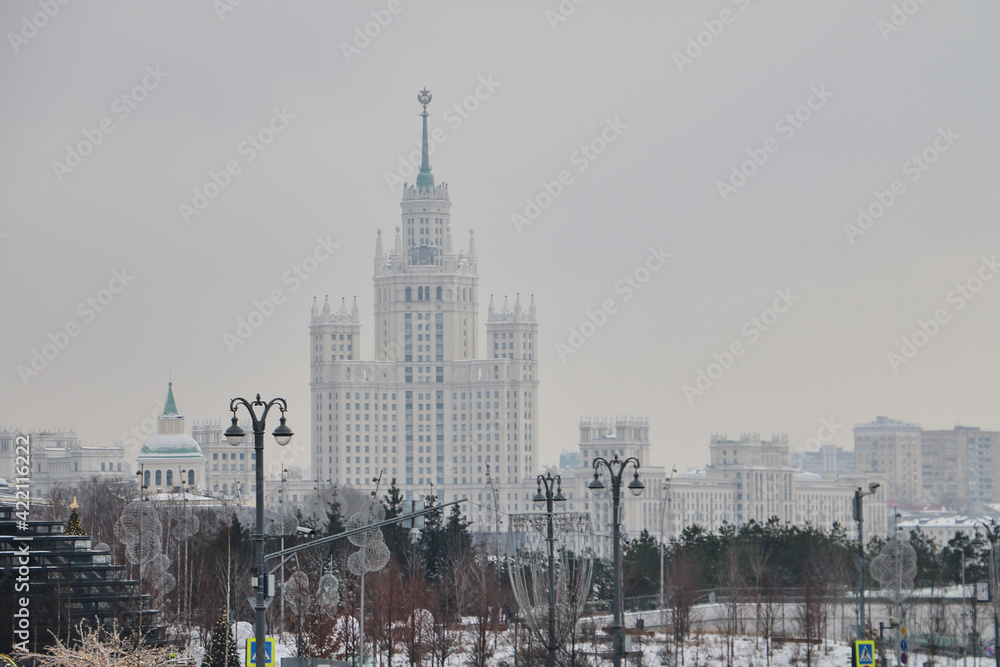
x: 417, y: 630
x: 811, y: 613
x: 769, y: 609
x: 386, y: 599
x: 731, y: 578
x: 484, y: 609
x: 682, y: 595
x: 757, y: 557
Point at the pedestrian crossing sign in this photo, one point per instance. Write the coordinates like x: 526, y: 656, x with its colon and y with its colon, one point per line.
x: 268, y: 652
x: 864, y: 653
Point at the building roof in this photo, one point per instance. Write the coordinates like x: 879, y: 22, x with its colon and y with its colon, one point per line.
x: 170, y: 408
x: 170, y: 445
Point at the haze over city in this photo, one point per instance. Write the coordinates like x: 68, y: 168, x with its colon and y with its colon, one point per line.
x: 802, y: 198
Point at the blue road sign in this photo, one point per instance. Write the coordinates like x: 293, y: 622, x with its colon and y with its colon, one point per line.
x: 864, y: 653
x: 252, y: 652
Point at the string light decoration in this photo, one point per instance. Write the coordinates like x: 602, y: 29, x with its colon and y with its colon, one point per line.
x: 573, y: 534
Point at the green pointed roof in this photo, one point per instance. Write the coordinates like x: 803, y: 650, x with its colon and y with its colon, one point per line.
x: 170, y: 408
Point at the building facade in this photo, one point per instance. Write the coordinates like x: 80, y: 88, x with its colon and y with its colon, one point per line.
x: 892, y: 448
x: 960, y: 467
x: 751, y: 479
x: 171, y: 460
x: 828, y: 459
x: 428, y: 410
x: 60, y: 457
x: 605, y: 438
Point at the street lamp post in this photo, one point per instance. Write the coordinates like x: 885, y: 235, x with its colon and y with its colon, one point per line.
x: 281, y: 574
x: 860, y: 518
x: 141, y: 473
x: 282, y: 435
x: 616, y: 467
x: 553, y: 494
x: 663, y: 521
x: 992, y: 531
x: 495, y: 496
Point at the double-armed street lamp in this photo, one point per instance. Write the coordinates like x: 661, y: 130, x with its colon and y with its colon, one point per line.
x: 992, y: 532
x: 282, y: 435
x: 860, y: 518
x: 553, y: 494
x: 616, y: 468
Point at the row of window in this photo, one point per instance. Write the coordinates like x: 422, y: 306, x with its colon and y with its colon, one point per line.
x: 155, y: 478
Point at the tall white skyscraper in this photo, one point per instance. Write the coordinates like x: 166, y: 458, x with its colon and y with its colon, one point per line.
x: 428, y: 409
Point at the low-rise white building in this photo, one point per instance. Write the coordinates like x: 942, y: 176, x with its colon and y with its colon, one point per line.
x: 750, y: 479
x: 171, y: 460
x: 60, y: 457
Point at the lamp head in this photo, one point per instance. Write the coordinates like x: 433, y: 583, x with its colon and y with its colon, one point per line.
x: 636, y: 486
x: 560, y: 496
x: 234, y: 434
x: 597, y: 484
x: 872, y: 486
x: 539, y: 497
x: 282, y: 434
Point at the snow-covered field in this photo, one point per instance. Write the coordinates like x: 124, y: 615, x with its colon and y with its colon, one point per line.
x: 701, y: 651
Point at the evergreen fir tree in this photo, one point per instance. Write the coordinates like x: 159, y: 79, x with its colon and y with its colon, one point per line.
x: 458, y: 537
x: 74, y: 527
x: 396, y: 537
x: 335, y: 525
x: 221, y: 645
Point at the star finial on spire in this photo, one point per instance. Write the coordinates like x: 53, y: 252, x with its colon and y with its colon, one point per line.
x: 425, y: 181
x: 424, y: 97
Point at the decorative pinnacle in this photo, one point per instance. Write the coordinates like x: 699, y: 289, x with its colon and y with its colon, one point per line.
x: 424, y: 97
x: 425, y: 180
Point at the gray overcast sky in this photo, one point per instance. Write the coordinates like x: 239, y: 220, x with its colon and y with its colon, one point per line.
x: 885, y: 81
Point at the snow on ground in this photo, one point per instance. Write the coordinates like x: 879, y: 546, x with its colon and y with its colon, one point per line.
x: 704, y: 650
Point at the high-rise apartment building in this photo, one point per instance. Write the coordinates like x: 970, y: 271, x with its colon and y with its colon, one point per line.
x: 893, y: 448
x: 429, y: 409
x: 959, y: 467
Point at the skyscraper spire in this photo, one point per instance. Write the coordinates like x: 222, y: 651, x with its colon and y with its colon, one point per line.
x: 425, y: 180
x: 379, y: 255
